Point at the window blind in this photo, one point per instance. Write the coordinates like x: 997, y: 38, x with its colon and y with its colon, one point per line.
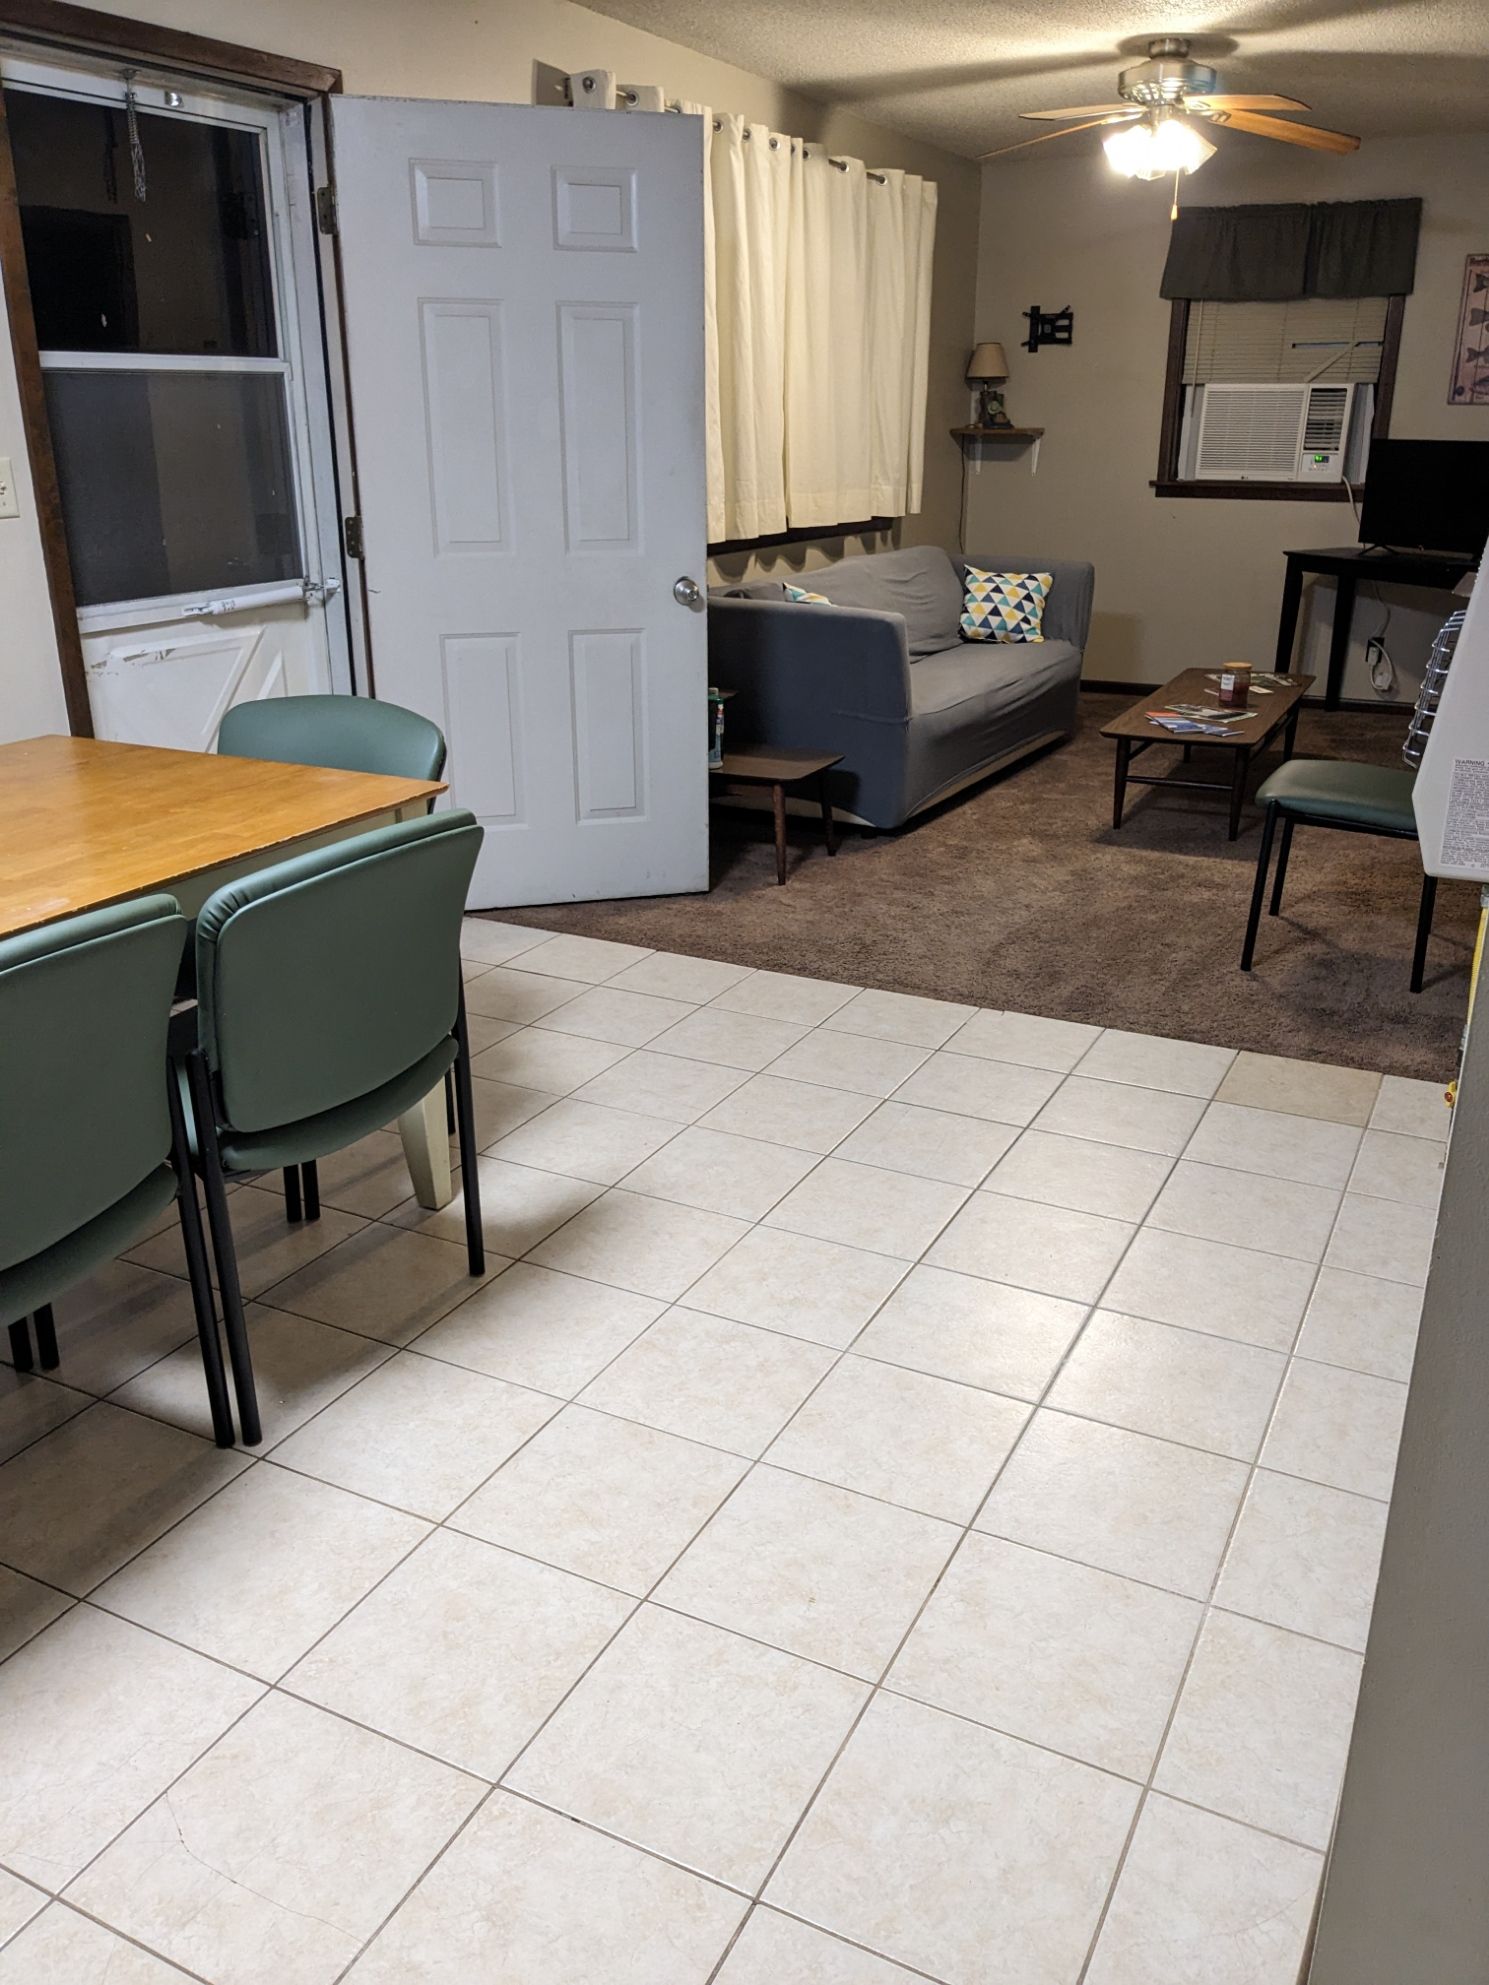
x: 1329, y: 339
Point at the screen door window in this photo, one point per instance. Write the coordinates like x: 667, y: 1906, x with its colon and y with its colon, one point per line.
x: 150, y: 254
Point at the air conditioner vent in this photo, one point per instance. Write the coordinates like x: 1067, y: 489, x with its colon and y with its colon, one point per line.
x: 1323, y: 424
x: 1251, y: 431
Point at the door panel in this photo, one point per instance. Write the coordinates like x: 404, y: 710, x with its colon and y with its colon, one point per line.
x: 482, y: 690
x: 609, y: 691
x: 597, y: 385
x: 464, y: 411
x: 151, y: 685
x: 524, y: 318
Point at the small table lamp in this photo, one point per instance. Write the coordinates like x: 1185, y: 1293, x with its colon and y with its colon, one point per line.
x: 986, y: 369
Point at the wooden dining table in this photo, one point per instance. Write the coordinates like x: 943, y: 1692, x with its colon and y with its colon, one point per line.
x: 85, y: 822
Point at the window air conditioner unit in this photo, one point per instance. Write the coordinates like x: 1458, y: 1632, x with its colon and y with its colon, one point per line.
x: 1277, y: 433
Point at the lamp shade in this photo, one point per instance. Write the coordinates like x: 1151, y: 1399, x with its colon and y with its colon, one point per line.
x: 987, y: 362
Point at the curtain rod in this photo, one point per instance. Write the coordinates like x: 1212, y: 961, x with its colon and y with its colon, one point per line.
x: 879, y: 178
x: 624, y: 95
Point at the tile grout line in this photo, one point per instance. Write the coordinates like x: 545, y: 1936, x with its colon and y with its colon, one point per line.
x: 124, y: 1936
x: 756, y: 1462
x: 394, y: 1345
x: 394, y: 1348
x: 877, y: 1688
x: 501, y: 1785
x: 733, y: 1454
x: 836, y: 1936
x: 876, y: 1103
x: 1209, y: 1608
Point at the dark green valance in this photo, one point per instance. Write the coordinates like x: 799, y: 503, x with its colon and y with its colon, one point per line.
x: 1270, y: 254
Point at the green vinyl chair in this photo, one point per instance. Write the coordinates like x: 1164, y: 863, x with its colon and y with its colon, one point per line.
x: 1353, y: 798
x: 348, y: 734
x: 329, y: 1001
x: 93, y: 1143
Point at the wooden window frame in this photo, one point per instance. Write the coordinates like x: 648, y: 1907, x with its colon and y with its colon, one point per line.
x: 55, y: 24
x: 1168, y: 481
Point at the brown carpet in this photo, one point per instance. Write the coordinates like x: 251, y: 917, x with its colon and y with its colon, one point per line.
x: 1020, y: 895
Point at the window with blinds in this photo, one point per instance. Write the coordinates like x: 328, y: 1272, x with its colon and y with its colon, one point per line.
x: 1329, y: 339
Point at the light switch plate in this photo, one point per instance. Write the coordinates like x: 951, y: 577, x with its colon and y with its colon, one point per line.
x: 8, y: 504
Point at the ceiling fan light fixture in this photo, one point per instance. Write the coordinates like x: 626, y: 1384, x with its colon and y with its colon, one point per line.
x: 1156, y: 150
x: 1180, y: 146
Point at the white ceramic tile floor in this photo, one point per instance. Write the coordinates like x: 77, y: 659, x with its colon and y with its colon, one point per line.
x: 920, y: 1523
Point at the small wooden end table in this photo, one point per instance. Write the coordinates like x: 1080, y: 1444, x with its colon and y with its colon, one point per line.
x: 1279, y: 710
x: 765, y: 765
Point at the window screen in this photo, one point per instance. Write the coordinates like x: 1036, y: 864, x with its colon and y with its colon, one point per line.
x: 174, y: 482
x: 1329, y: 339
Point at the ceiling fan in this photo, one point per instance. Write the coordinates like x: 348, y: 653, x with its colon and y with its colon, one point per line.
x: 1157, y: 122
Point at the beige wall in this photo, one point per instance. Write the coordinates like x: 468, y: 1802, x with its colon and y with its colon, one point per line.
x: 1184, y: 580
x: 438, y: 48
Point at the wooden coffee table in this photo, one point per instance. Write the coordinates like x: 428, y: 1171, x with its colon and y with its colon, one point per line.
x: 1266, y: 716
x: 766, y: 765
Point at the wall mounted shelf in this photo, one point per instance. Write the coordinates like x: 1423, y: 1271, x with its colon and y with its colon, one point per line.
x: 997, y: 433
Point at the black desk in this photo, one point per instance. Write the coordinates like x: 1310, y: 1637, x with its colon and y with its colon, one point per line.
x: 1437, y: 572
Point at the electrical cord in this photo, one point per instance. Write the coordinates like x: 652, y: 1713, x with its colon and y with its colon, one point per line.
x: 1382, y: 668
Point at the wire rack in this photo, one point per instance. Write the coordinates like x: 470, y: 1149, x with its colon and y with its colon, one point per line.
x: 1430, y: 694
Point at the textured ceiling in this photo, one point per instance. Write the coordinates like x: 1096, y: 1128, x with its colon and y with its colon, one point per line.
x: 957, y: 72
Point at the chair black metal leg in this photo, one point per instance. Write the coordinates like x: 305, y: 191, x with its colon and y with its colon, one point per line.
x: 465, y: 1119
x: 1424, y: 931
x: 21, y: 1354
x: 1285, y: 848
x: 218, y: 1221
x: 46, y: 1337
x: 293, y: 1207
x: 449, y: 1103
x: 196, y: 1268
x: 311, y: 1180
x: 1259, y: 890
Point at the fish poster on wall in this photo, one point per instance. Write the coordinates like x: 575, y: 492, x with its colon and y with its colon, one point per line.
x: 1469, y: 385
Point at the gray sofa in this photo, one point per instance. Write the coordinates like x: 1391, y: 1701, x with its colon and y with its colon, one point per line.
x: 882, y: 675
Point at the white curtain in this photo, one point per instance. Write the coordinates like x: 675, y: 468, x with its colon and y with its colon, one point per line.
x: 818, y: 295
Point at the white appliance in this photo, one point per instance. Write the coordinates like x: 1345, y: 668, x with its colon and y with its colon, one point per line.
x: 1304, y: 434
x: 1451, y: 796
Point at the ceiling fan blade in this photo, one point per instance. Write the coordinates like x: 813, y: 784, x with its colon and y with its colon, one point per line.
x: 1312, y: 137
x: 1092, y: 110
x: 1200, y: 104
x: 1070, y: 129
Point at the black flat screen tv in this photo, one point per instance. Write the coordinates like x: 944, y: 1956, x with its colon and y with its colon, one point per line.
x: 1427, y: 496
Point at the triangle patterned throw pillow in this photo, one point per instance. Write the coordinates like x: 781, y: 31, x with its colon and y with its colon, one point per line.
x: 1004, y: 606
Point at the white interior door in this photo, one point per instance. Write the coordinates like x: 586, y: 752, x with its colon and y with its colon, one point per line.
x: 523, y: 292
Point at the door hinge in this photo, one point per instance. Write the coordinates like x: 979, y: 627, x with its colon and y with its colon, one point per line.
x: 351, y: 536
x: 325, y: 209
